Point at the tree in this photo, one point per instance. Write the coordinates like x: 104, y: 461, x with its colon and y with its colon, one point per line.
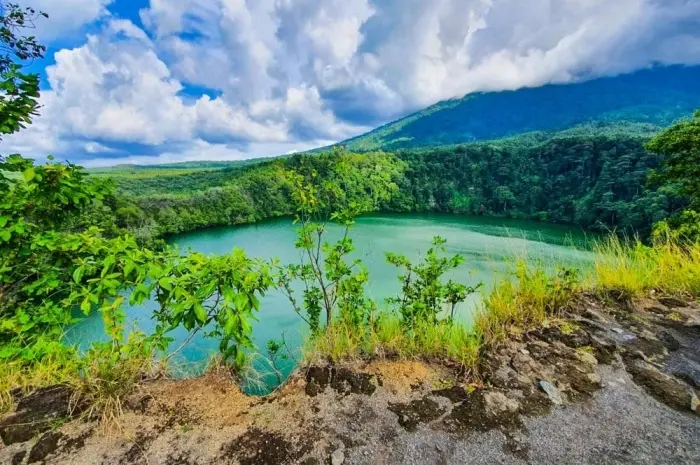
x: 680, y: 147
x: 19, y: 91
x: 61, y: 249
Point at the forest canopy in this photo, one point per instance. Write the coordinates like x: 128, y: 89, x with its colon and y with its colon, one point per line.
x: 587, y: 176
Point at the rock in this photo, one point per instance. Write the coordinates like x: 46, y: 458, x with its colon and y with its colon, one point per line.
x: 663, y: 387
x: 595, y: 315
x: 659, y: 309
x: 618, y: 330
x: 343, y: 380
x: 497, y: 404
x: 539, y: 349
x: 18, y: 458
x: 416, y: 412
x: 35, y: 413
x: 503, y: 377
x: 588, y: 358
x: 551, y: 391
x: 575, y: 338
x: 669, y: 341
x: 524, y: 364
x: 673, y: 302
x: 605, y: 349
x: 338, y: 457
x: 455, y: 394
x: 582, y: 378
x: 561, y: 350
x: 46, y: 445
x: 695, y: 404
x: 525, y: 383
x: 346, y: 381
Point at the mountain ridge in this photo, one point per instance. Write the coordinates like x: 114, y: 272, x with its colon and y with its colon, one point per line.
x: 657, y: 96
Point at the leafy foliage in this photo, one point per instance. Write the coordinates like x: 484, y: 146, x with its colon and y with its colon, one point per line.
x: 55, y: 255
x: 423, y: 294
x: 18, y: 91
x: 594, y: 177
x: 333, y: 285
x: 680, y: 170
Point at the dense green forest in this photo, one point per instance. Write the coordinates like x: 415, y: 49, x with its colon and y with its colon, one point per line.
x: 591, y: 176
x: 571, y: 153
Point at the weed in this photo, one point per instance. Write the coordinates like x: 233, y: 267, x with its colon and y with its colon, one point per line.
x: 109, y: 373
x: 527, y: 299
x: 633, y: 269
x: 58, y: 368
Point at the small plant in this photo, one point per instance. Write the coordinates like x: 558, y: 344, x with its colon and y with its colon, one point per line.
x: 423, y: 294
x: 529, y: 298
x: 108, y: 374
x: 274, y: 355
x: 632, y: 269
x: 333, y: 284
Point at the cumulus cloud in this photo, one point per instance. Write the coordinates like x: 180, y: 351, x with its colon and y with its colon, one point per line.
x: 241, y: 78
x: 65, y: 16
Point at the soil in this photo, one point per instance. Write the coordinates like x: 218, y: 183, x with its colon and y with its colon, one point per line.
x: 621, y: 382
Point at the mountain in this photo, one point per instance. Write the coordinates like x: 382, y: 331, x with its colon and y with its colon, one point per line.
x: 647, y: 100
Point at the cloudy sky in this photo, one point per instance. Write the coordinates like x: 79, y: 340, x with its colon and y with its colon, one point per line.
x: 148, y: 81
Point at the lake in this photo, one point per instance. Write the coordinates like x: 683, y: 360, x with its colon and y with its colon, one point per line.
x: 487, y: 244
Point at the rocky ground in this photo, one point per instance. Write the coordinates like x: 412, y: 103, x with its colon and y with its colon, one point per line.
x: 615, y: 381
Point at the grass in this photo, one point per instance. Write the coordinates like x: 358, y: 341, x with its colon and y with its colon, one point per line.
x: 633, y: 269
x: 531, y: 296
x: 525, y: 300
x: 109, y: 372
x: 49, y: 371
x: 101, y: 379
x: 388, y: 338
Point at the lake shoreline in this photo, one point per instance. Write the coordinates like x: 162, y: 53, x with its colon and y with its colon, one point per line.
x: 551, y: 381
x: 487, y: 246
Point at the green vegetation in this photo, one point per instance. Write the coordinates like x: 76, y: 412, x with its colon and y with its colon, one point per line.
x: 257, y: 192
x: 70, y: 246
x: 680, y: 146
x: 62, y: 252
x: 651, y: 98
x: 525, y: 177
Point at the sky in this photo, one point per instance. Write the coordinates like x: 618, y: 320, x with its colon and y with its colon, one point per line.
x: 160, y: 81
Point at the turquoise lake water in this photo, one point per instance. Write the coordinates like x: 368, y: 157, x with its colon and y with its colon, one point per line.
x: 486, y: 243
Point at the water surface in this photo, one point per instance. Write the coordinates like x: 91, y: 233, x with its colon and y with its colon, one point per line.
x: 487, y: 244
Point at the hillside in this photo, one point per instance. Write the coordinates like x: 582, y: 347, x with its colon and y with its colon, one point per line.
x: 647, y: 100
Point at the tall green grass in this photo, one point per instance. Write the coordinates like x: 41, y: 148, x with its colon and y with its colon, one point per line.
x: 529, y: 295
x: 387, y: 337
x: 633, y: 269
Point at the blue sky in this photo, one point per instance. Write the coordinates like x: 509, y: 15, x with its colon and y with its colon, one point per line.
x: 151, y: 81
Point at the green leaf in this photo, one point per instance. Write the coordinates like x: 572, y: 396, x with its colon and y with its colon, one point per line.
x: 201, y: 313
x: 86, y: 306
x: 78, y: 274
x: 240, y: 301
x: 29, y: 174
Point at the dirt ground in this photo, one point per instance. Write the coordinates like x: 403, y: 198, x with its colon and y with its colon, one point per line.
x: 618, y: 383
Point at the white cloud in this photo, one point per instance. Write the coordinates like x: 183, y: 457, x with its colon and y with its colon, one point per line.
x: 281, y: 74
x: 65, y: 16
x: 118, y: 89
x: 202, y: 150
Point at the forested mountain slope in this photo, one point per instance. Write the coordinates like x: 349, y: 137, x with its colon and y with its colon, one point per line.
x: 559, y: 153
x: 648, y: 99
